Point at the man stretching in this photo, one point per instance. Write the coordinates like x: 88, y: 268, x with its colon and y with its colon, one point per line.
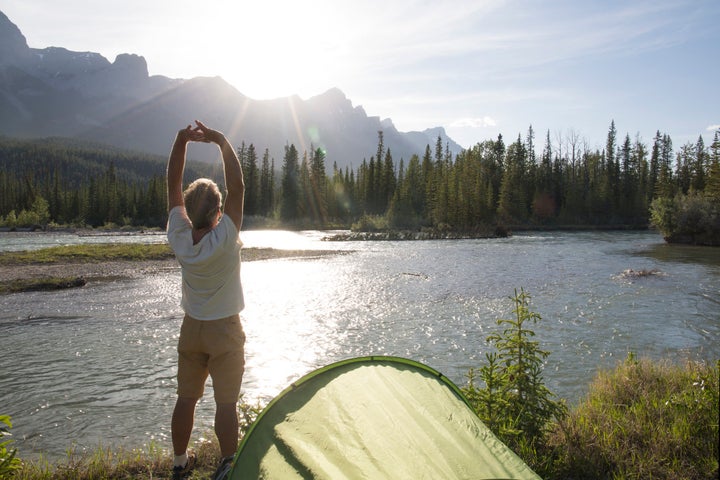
x: 204, y: 237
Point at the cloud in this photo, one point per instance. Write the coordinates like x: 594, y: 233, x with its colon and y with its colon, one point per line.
x: 479, y: 122
x: 712, y: 128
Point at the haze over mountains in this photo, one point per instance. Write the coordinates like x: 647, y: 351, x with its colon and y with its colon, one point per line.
x: 57, y: 92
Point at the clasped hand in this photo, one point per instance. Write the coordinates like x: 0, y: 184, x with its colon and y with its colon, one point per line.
x: 200, y: 133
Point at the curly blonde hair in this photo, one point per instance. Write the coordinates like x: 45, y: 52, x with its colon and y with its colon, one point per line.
x: 202, y: 202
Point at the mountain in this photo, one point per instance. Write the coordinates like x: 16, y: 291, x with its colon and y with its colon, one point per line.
x: 58, y: 92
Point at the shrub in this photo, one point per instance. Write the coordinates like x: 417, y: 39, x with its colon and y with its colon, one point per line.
x: 8, y: 461
x: 691, y: 218
x: 644, y: 419
x: 370, y: 223
x: 662, y: 211
x: 10, y: 220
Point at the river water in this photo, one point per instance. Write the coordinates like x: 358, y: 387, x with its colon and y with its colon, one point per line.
x: 96, y: 365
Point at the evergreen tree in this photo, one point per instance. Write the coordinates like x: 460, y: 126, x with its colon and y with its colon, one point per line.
x: 361, y: 189
x: 654, y: 173
x: 613, y: 167
x: 389, y: 180
x: 56, y: 204
x: 685, y: 160
x: 339, y: 198
x: 305, y: 206
x: 664, y: 187
x: 157, y: 201
x: 399, y: 211
x: 639, y: 193
x: 558, y: 179
x: 712, y: 185
x: 428, y: 176
x: 318, y: 185
x: 414, y: 188
x: 512, y: 206
x: 290, y: 184
x: 496, y: 167
x: 267, y: 186
x: 544, y: 203
x: 599, y: 198
x: 95, y: 214
x: 530, y: 145
x: 441, y: 174
x: 251, y: 177
x: 531, y: 165
x: 627, y: 168
x: 700, y: 166
x: 515, y: 403
x: 351, y: 187
x: 371, y: 183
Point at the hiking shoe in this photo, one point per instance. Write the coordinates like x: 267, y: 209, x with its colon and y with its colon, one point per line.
x: 224, y: 468
x: 180, y: 473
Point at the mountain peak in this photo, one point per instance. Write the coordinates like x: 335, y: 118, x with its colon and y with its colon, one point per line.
x: 331, y: 96
x: 13, y: 45
x: 132, y: 62
x: 133, y: 65
x: 334, y: 93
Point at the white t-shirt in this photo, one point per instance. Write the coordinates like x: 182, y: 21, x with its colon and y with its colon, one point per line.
x: 211, y: 287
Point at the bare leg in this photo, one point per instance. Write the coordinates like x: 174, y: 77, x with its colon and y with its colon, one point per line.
x: 226, y: 428
x: 182, y: 423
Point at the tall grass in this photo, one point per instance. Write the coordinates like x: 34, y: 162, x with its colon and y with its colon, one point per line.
x: 644, y: 419
x: 153, y: 462
x: 118, y: 464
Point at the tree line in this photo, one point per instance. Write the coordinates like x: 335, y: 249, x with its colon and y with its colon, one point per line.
x: 489, y: 184
x: 65, y: 182
x: 497, y: 184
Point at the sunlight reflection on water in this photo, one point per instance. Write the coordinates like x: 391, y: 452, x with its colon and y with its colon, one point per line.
x: 290, y: 240
x: 299, y: 326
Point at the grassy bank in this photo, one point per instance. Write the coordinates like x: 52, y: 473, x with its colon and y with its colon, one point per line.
x: 101, y: 252
x: 152, y: 462
x: 74, y: 265
x: 106, y: 463
x: 643, y: 419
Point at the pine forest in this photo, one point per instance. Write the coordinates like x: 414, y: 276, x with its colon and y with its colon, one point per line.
x: 494, y: 184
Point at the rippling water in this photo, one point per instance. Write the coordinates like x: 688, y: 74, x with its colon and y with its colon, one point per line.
x: 96, y: 365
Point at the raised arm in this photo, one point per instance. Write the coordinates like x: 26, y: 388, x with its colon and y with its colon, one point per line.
x: 235, y: 200
x: 176, y: 164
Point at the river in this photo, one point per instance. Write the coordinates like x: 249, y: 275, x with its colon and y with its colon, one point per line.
x: 96, y: 365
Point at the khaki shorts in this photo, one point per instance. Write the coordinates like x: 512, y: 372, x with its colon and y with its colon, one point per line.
x: 214, y: 347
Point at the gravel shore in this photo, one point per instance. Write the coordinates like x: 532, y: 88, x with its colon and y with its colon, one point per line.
x: 131, y: 268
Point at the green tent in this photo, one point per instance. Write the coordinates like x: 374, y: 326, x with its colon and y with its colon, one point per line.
x: 373, y: 418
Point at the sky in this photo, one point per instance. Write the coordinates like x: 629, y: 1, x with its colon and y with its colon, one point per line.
x: 479, y: 68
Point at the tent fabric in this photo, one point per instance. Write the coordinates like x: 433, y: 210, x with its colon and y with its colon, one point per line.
x: 373, y: 418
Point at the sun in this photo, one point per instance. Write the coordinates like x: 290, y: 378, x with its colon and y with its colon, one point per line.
x: 273, y: 49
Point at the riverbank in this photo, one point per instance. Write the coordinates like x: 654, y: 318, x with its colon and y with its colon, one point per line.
x: 75, y: 266
x: 640, y: 419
